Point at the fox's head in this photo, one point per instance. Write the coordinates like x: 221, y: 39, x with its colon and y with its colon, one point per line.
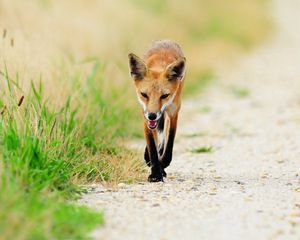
x: 156, y: 87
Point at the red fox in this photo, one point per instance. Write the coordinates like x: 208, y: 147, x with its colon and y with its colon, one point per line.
x: 158, y: 79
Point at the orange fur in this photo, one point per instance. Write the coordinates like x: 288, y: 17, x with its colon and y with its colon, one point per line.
x: 159, y: 79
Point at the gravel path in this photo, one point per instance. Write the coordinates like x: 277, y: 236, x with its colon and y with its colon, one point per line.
x: 248, y: 187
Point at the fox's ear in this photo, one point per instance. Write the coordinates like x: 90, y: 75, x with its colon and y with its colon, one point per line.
x: 176, y: 70
x: 137, y: 67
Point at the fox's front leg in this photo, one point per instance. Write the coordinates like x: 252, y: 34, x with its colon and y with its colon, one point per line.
x: 167, y: 155
x: 147, y: 158
x: 156, y: 168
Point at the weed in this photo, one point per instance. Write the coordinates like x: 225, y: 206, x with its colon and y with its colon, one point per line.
x: 44, y: 151
x: 241, y: 92
x: 194, y: 135
x: 232, y: 128
x: 206, y: 149
x: 205, y: 109
x: 199, y: 81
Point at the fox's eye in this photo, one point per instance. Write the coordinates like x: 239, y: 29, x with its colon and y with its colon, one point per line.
x: 144, y: 95
x: 164, y: 96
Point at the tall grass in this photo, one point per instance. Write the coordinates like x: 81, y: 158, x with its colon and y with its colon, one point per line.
x: 45, y: 152
x: 36, y: 149
x: 67, y: 103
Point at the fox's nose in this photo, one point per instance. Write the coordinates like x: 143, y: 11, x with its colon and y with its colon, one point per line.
x: 152, y: 116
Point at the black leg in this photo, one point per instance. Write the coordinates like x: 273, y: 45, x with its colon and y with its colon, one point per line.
x: 161, y: 152
x: 167, y: 157
x: 161, y: 149
x: 164, y: 173
x: 156, y: 168
x: 146, y: 157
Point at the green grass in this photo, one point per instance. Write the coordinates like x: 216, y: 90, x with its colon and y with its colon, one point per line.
x: 29, y: 215
x: 205, y: 149
x: 198, y: 82
x: 241, y: 92
x: 156, y: 7
x: 232, y: 128
x: 220, y: 27
x: 45, y: 152
x: 205, y: 109
x: 195, y: 135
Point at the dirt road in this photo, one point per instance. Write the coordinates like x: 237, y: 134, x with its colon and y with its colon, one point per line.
x: 248, y: 186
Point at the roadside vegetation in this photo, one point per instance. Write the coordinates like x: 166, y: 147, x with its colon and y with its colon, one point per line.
x: 208, y: 149
x: 67, y: 103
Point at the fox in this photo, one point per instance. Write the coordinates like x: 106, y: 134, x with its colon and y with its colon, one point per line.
x: 159, y: 78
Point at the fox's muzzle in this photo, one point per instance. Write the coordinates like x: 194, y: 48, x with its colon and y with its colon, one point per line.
x: 152, y: 116
x: 153, y: 119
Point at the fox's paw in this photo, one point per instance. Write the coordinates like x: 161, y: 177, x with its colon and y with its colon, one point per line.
x: 164, y: 173
x: 155, y: 177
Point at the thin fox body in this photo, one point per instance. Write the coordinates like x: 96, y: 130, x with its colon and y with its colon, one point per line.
x: 158, y: 79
